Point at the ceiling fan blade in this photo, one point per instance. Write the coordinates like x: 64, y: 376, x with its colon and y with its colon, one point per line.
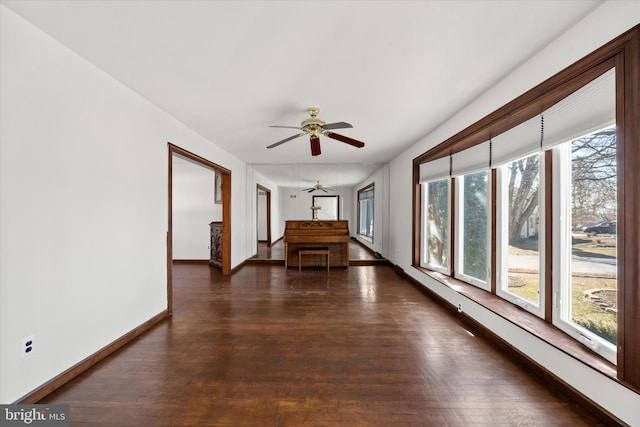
x: 315, y: 145
x: 337, y: 125
x: 286, y: 140
x: 345, y: 139
x: 286, y: 127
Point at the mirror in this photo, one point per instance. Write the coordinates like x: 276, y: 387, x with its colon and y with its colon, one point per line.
x: 329, y: 207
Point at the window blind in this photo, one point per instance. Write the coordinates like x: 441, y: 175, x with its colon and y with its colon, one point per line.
x: 367, y: 193
x: 591, y: 108
x: 585, y: 111
x: 435, y: 170
x: 517, y: 142
x: 471, y: 160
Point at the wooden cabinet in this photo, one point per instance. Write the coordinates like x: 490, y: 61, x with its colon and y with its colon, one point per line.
x: 215, y: 256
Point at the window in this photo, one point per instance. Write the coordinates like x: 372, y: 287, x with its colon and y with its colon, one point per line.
x: 586, y: 288
x: 472, y: 228
x: 365, y: 212
x: 435, y: 236
x: 521, y: 234
x: 579, y: 233
x: 585, y: 212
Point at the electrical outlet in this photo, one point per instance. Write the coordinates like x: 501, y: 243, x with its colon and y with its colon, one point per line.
x: 27, y: 346
x: 459, y: 307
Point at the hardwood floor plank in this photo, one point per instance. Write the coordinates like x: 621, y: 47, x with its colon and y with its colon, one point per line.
x: 356, y: 347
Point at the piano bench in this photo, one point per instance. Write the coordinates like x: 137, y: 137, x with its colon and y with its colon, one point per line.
x: 313, y: 251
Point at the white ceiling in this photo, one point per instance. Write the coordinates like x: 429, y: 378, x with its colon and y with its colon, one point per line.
x: 229, y: 69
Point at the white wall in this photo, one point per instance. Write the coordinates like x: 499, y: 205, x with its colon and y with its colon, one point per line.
x: 296, y: 204
x: 193, y: 209
x: 605, y: 23
x: 83, y: 208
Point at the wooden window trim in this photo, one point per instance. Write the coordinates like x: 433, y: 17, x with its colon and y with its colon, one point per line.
x: 623, y: 54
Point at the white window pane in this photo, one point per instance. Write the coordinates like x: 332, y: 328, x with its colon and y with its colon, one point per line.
x: 473, y: 225
x: 437, y: 224
x: 523, y: 216
x: 593, y: 284
x: 365, y: 212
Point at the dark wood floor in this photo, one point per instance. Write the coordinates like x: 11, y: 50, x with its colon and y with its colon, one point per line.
x: 349, y: 347
x: 357, y: 251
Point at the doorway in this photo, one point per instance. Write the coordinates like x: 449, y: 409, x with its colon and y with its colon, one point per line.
x: 329, y: 207
x: 263, y: 214
x: 222, y: 193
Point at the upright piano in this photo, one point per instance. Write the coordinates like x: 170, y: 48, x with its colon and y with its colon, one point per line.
x: 311, y: 234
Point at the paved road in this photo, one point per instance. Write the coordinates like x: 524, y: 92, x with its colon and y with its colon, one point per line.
x: 578, y: 264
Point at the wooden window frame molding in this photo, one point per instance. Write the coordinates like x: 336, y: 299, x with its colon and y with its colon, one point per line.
x: 623, y: 54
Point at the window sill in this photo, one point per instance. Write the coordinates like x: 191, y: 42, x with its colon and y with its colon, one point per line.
x: 528, y: 322
x: 367, y: 238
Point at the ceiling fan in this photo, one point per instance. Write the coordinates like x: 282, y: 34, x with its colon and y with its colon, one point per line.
x: 314, y: 127
x: 317, y: 186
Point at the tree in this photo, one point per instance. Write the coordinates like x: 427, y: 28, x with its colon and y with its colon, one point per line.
x: 475, y: 225
x: 594, y: 182
x: 594, y: 176
x: 523, y: 194
x: 438, y: 221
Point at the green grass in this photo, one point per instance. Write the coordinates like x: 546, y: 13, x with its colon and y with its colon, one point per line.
x: 584, y: 313
x: 524, y: 283
x: 588, y: 315
x: 527, y: 286
x: 513, y: 250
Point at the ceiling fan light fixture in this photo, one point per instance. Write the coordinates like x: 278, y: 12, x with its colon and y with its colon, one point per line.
x: 314, y: 127
x: 317, y: 186
x: 313, y: 123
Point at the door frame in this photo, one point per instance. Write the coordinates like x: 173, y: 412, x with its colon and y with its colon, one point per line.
x: 226, y: 214
x: 336, y: 196
x: 268, y: 192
